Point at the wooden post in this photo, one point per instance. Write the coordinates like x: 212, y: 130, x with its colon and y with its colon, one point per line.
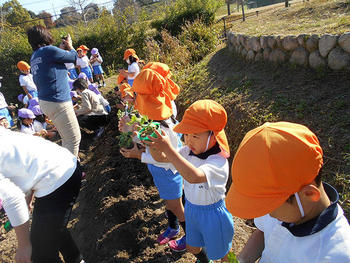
x: 228, y: 8
x: 243, y: 10
x: 224, y: 26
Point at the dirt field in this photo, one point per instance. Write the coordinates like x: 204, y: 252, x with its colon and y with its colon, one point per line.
x: 119, y: 214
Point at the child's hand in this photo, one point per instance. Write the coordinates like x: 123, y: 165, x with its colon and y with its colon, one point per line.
x: 123, y: 126
x: 135, y: 152
x: 161, y: 143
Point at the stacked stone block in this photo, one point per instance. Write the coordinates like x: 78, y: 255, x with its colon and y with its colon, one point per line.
x: 313, y: 51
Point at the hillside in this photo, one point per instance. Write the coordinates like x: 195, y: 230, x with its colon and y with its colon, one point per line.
x: 119, y: 214
x: 309, y: 17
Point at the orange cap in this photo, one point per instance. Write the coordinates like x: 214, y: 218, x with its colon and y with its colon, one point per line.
x: 172, y: 88
x: 205, y: 115
x: 126, y: 89
x: 151, y: 99
x: 83, y: 47
x: 273, y: 162
x: 130, y: 52
x: 22, y: 65
x: 120, y: 78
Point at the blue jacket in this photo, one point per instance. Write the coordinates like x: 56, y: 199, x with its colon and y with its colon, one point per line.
x: 50, y: 75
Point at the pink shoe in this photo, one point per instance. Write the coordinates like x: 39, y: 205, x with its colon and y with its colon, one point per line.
x: 169, y: 234
x: 178, y: 245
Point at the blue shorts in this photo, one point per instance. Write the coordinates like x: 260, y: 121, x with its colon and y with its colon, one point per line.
x: 169, y: 185
x: 34, y: 93
x: 209, y: 226
x: 87, y: 71
x: 97, y: 70
x: 130, y: 82
x: 72, y: 73
x: 5, y: 112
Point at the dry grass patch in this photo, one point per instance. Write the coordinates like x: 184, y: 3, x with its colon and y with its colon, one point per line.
x: 315, y: 16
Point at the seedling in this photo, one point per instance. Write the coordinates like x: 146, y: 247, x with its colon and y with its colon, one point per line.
x: 148, y: 130
x: 232, y: 258
x: 125, y: 140
x: 63, y: 35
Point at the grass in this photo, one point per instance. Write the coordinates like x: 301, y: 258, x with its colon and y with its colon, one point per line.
x: 256, y: 93
x: 313, y: 17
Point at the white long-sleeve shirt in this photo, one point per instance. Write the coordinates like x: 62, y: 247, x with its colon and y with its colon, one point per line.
x: 30, y: 163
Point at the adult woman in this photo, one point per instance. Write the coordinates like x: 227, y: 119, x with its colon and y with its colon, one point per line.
x: 51, y: 78
x: 33, y: 166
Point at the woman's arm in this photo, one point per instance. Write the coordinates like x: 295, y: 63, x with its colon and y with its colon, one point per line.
x: 24, y: 250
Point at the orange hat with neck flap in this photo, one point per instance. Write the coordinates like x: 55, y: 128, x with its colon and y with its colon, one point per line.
x: 205, y: 115
x: 172, y: 89
x: 151, y: 99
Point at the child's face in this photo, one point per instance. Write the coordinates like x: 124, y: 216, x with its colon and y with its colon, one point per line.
x: 4, y: 123
x: 80, y: 53
x: 95, y: 55
x: 197, y: 142
x: 288, y: 212
x: 26, y: 72
x: 28, y: 121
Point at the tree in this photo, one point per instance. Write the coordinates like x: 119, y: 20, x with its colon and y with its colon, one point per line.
x: 80, y: 5
x: 92, y: 11
x: 127, y: 8
x: 47, y: 17
x: 15, y: 13
x: 69, y: 16
x: 286, y: 3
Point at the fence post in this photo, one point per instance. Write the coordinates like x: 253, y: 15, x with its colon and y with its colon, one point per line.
x: 224, y: 27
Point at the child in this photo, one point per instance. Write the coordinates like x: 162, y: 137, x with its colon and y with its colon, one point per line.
x: 277, y: 181
x: 91, y: 114
x: 4, y: 109
x: 131, y: 58
x: 93, y: 87
x: 151, y: 102
x: 96, y: 61
x: 41, y: 124
x: 174, y: 89
x: 83, y: 63
x: 26, y: 80
x: 26, y: 118
x: 72, y: 73
x: 203, y: 165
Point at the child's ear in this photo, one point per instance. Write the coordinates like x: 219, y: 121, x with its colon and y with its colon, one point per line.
x: 311, y: 192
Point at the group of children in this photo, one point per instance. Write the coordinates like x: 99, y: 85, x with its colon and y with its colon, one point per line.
x: 276, y: 179
x: 276, y: 171
x: 92, y: 110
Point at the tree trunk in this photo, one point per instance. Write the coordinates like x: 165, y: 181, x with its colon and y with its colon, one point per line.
x: 286, y: 4
x: 228, y: 8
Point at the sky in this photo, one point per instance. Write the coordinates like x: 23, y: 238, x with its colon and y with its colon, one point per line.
x: 52, y: 6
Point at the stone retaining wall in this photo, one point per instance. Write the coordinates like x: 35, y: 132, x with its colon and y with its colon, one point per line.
x: 313, y: 51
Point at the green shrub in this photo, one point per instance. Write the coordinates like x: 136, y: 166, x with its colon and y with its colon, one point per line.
x: 199, y: 39
x: 184, y: 11
x: 168, y: 50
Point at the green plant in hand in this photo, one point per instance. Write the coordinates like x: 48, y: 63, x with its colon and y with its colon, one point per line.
x: 125, y: 140
x: 63, y: 35
x: 148, y: 129
x: 232, y: 258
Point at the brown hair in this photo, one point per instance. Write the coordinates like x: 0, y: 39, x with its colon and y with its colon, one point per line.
x: 39, y: 36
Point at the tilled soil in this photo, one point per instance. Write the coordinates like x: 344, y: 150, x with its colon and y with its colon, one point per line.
x: 119, y: 214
